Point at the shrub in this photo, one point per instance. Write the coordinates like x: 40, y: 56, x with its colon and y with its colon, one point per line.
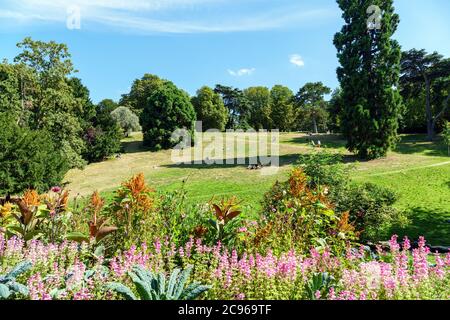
x: 103, y: 137
x: 127, y: 120
x: 298, y: 217
x: 101, y: 144
x: 370, y: 206
x: 29, y: 159
x: 168, y: 109
x: 371, y: 209
x: 324, y: 168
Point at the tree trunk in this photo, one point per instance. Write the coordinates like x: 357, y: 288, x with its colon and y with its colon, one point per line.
x: 316, y: 131
x: 430, y: 120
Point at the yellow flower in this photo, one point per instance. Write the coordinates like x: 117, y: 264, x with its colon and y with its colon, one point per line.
x: 5, y: 210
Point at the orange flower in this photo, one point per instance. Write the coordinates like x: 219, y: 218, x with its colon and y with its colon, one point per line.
x: 64, y: 199
x: 96, y: 201
x: 297, y: 182
x: 344, y: 224
x: 31, y: 198
x: 137, y: 185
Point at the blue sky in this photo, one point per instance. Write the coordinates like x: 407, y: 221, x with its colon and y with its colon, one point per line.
x: 240, y: 43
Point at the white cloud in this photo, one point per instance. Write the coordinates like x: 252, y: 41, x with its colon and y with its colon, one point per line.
x: 242, y: 72
x: 297, y: 60
x: 161, y: 16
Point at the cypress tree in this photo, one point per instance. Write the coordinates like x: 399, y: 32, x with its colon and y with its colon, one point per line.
x: 369, y: 76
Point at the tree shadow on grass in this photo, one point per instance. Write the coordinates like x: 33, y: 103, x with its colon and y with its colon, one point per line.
x: 284, y: 160
x: 326, y: 140
x: 133, y: 147
x: 417, y: 143
x: 433, y: 224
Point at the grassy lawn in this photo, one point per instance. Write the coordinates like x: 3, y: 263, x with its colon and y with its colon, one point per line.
x: 419, y: 171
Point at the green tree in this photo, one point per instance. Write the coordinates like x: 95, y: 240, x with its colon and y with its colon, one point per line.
x: 81, y: 93
x: 237, y: 105
x: 16, y: 91
x: 335, y: 107
x: 51, y: 101
x: 210, y: 109
x: 369, y: 77
x: 168, y: 109
x: 282, y: 108
x: 140, y: 91
x: 427, y: 75
x: 127, y: 120
x: 103, y: 136
x: 259, y: 107
x: 29, y: 159
x: 311, y: 105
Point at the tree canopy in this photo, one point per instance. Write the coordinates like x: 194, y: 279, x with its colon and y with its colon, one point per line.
x: 210, y: 109
x: 167, y: 109
x: 425, y: 79
x: 311, y: 106
x: 127, y: 120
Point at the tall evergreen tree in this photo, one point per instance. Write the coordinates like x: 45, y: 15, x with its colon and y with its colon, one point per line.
x: 369, y: 76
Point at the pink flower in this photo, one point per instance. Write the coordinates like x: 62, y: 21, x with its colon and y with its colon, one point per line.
x: 393, y: 244
x: 240, y: 296
x: 406, y: 244
x: 318, y: 295
x: 56, y: 189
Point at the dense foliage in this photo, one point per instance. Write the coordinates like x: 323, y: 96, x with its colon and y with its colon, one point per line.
x: 425, y: 84
x: 29, y: 159
x: 370, y: 208
x: 369, y: 78
x: 102, y: 136
x: 127, y: 120
x: 210, y: 109
x: 167, y: 109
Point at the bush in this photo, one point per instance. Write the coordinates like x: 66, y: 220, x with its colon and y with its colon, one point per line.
x: 324, y: 168
x: 103, y: 137
x: 29, y: 159
x: 371, y: 210
x: 168, y: 109
x: 370, y: 206
x: 298, y: 217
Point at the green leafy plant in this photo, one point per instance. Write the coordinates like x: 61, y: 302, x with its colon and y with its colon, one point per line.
x: 99, y: 227
x: 150, y: 286
x: 224, y: 213
x: 29, y: 217
x: 319, y: 283
x: 8, y: 284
